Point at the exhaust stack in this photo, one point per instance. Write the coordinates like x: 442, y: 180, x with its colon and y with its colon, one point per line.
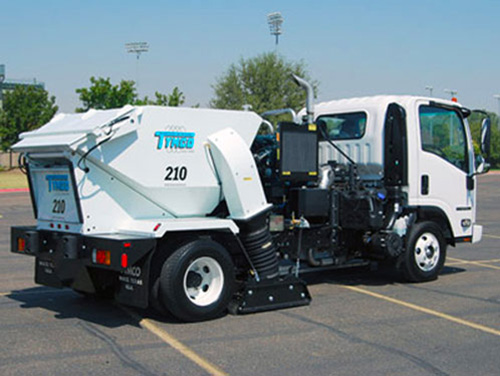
x: 309, y: 97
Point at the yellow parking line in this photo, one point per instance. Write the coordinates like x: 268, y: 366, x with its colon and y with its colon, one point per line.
x: 478, y: 263
x: 491, y: 236
x: 487, y: 261
x: 428, y: 311
x: 4, y: 293
x: 176, y: 344
x: 460, y: 261
x: 455, y: 263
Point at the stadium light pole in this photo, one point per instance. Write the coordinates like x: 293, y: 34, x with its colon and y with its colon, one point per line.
x: 275, y: 20
x: 430, y: 88
x: 137, y: 48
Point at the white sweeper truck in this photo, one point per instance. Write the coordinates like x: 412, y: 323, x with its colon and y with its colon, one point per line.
x: 190, y: 211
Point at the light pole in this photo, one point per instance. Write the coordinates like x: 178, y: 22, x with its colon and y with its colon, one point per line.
x: 497, y: 96
x: 452, y: 93
x: 430, y: 88
x: 137, y: 48
x: 454, y: 99
x: 275, y: 20
x: 2, y: 79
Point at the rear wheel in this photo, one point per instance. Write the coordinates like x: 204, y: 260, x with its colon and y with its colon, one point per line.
x: 425, y: 253
x: 197, y: 281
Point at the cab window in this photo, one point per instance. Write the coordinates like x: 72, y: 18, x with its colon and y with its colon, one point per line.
x: 344, y: 126
x: 442, y: 133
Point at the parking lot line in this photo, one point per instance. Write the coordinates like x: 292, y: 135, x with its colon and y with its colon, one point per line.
x: 428, y: 311
x: 176, y: 344
x: 454, y: 263
x: 491, y: 236
x: 460, y: 261
x: 478, y: 263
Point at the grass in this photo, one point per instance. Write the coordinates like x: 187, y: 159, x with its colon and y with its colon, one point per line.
x: 13, y: 179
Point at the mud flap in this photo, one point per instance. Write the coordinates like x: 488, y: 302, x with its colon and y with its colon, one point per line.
x: 59, y: 260
x: 270, y: 295
x: 133, y: 283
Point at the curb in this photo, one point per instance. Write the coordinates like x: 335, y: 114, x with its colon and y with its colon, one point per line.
x: 14, y: 190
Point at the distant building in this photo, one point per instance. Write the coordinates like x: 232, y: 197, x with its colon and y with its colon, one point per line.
x: 7, y: 85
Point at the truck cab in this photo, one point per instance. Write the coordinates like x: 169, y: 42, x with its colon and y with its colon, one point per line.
x: 435, y: 156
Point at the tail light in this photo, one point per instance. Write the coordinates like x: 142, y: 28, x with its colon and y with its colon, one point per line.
x: 21, y: 244
x: 101, y: 257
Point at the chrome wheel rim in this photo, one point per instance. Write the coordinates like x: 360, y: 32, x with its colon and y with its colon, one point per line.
x: 427, y: 251
x: 203, y: 281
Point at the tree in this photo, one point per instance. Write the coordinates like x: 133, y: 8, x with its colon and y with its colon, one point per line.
x: 175, y: 99
x: 102, y: 94
x: 264, y: 82
x: 25, y: 108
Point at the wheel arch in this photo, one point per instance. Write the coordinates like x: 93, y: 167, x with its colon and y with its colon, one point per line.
x: 176, y: 239
x: 438, y: 216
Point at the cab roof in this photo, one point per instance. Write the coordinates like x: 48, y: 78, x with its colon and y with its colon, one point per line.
x: 374, y: 103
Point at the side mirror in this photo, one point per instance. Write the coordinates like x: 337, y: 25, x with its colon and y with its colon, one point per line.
x: 486, y: 137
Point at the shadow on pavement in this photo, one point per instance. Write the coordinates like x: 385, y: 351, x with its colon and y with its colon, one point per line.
x: 380, y: 276
x: 66, y: 304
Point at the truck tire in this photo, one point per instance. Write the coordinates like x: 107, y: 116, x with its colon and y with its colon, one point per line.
x: 197, y: 281
x: 425, y: 253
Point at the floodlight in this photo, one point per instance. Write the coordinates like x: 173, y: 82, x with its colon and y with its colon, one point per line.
x: 137, y: 48
x: 275, y: 20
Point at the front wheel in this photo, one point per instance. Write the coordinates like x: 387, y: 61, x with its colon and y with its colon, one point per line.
x: 197, y: 281
x: 425, y: 253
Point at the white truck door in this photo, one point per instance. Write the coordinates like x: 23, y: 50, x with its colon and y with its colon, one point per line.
x: 444, y: 166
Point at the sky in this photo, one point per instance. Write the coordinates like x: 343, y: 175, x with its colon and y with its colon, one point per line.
x: 352, y: 48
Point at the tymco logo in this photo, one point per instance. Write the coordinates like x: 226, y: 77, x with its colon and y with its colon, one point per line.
x: 58, y: 183
x: 174, y: 139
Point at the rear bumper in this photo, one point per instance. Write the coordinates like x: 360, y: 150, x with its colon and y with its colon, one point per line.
x: 69, y: 260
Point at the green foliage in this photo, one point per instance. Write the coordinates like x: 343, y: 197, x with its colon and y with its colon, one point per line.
x: 475, y: 121
x: 25, y: 108
x: 175, y: 99
x: 264, y: 82
x: 102, y: 94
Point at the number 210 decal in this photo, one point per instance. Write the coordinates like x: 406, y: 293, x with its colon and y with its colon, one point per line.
x: 59, y: 206
x: 176, y: 173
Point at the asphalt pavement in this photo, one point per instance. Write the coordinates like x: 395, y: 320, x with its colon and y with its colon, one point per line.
x: 359, y: 322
